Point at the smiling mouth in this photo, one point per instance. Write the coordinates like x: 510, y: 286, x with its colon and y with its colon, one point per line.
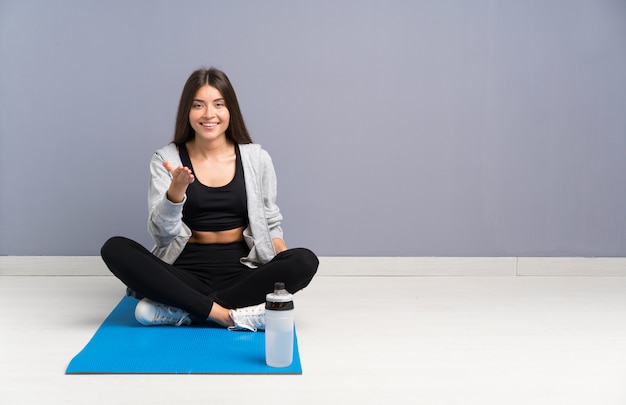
x: 209, y: 124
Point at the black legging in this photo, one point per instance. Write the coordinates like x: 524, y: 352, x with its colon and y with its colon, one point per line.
x: 204, y: 274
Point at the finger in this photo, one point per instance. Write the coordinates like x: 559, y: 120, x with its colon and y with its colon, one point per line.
x: 168, y: 166
x: 182, y: 174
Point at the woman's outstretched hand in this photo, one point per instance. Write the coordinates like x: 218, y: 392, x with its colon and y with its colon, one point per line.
x: 181, y: 178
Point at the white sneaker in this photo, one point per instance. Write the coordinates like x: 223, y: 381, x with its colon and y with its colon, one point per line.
x: 248, y: 318
x: 151, y: 313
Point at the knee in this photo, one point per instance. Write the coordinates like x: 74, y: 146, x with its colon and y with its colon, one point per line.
x: 112, y: 247
x: 306, y: 261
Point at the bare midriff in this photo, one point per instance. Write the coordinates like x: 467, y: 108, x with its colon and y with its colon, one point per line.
x: 219, y: 237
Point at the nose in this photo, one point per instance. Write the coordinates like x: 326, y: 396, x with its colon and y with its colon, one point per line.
x: 209, y: 111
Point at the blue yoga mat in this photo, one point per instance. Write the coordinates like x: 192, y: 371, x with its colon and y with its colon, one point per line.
x: 123, y: 346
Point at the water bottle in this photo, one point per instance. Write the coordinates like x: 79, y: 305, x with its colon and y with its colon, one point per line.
x: 279, y: 327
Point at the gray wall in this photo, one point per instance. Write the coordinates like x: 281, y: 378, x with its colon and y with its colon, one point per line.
x: 398, y: 128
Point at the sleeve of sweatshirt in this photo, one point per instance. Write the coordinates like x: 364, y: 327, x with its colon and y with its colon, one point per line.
x: 269, y: 185
x: 165, y: 217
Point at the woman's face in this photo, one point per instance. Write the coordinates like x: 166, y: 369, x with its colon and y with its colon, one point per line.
x: 209, y: 117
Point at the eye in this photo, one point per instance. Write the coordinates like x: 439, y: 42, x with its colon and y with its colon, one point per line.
x: 196, y: 105
x: 220, y: 104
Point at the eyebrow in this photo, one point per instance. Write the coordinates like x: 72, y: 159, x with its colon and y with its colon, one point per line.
x: 202, y: 101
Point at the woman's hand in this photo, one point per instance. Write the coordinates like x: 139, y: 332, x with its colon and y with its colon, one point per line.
x: 279, y: 245
x: 181, y: 178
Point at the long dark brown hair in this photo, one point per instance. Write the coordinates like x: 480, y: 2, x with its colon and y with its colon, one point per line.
x: 236, y: 131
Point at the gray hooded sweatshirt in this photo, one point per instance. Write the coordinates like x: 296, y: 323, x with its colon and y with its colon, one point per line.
x: 171, y: 234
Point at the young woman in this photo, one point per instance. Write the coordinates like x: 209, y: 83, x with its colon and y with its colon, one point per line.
x: 214, y: 219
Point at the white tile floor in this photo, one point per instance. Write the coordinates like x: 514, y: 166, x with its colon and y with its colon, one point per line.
x: 363, y: 340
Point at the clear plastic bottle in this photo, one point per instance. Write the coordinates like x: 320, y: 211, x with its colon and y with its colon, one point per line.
x: 279, y: 327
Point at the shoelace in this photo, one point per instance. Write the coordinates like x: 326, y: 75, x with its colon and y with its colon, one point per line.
x: 252, y: 316
x: 256, y: 320
x: 170, y: 314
